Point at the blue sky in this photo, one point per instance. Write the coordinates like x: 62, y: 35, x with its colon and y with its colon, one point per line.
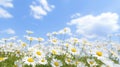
x: 43, y: 16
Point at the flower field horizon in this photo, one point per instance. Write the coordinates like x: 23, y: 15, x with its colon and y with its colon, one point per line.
x: 59, y: 33
x: 58, y: 51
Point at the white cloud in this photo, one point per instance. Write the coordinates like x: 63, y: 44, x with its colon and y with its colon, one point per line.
x: 3, y: 5
x: 8, y: 31
x: 92, y: 26
x: 46, y: 5
x: 75, y: 15
x: 40, y: 8
x: 4, y: 14
x: 6, y: 3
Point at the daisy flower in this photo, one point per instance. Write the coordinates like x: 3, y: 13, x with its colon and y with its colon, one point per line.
x: 23, y: 44
x: 56, y: 63
x: 38, y: 53
x: 100, y: 54
x: 29, y: 61
x: 68, y: 61
x: 40, y: 39
x: 3, y: 59
x: 91, y: 62
x: 42, y: 61
x: 73, y: 50
x: 55, y: 51
x: 54, y: 41
x: 76, y: 62
x: 66, y: 45
x: 29, y: 32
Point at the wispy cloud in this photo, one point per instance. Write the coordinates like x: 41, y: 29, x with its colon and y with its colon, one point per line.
x: 3, y: 5
x: 6, y: 3
x: 40, y: 8
x: 91, y: 26
x: 4, y: 14
x: 8, y: 31
x: 76, y: 15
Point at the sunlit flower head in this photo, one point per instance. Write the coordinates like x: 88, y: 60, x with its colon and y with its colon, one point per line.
x: 66, y: 30
x: 23, y: 44
x: 100, y: 54
x: 29, y: 32
x: 40, y: 39
x: 91, y: 62
x: 3, y: 59
x: 67, y: 45
x: 76, y: 62
x: 31, y: 39
x: 54, y: 51
x: 29, y: 61
x: 54, y: 33
x: 56, y: 63
x: 75, y: 40
x: 73, y: 50
x: 42, y: 61
x: 38, y: 53
x: 68, y: 61
x: 54, y: 41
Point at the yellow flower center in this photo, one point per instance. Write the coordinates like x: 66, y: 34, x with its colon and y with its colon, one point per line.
x: 56, y: 64
x: 75, y: 40
x: 38, y: 53
x: 40, y: 39
x: 54, y: 40
x: 23, y: 45
x: 15, y: 66
x: 54, y: 52
x: 67, y: 45
x: 18, y: 52
x: 99, y: 53
x: 31, y: 39
x: 91, y: 62
x: 73, y: 50
x: 1, y: 59
x: 42, y: 60
x: 68, y: 60
x: 30, y: 60
x: 77, y: 62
